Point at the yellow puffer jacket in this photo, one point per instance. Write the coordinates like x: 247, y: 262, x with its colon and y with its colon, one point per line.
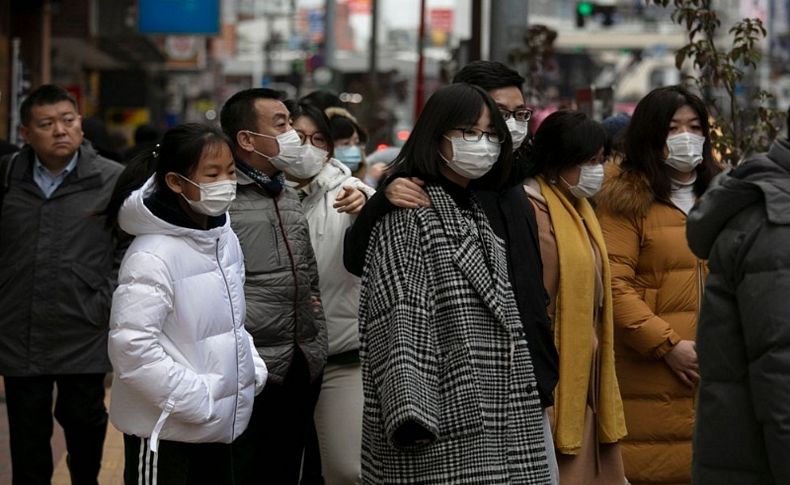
x: 656, y: 290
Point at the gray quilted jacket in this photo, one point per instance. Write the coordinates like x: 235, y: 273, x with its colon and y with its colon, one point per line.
x: 281, y: 278
x: 742, y: 224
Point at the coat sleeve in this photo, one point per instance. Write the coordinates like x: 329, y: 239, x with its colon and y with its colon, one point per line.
x: 141, y: 303
x: 361, y: 186
x: 762, y: 286
x: 400, y: 340
x: 637, y: 325
x: 261, y: 371
x: 315, y: 292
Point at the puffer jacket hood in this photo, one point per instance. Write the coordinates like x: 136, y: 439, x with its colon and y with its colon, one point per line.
x: 136, y: 219
x: 762, y: 176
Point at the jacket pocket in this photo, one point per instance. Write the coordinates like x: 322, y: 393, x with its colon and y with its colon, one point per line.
x: 460, y: 412
x: 92, y: 294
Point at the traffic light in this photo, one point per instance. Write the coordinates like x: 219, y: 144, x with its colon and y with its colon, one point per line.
x: 585, y: 10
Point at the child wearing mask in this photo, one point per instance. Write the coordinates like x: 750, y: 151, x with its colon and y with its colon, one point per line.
x: 186, y: 370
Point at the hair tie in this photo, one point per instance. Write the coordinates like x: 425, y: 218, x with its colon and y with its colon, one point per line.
x: 155, y: 152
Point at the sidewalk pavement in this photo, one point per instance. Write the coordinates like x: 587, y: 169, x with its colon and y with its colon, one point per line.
x: 112, y: 462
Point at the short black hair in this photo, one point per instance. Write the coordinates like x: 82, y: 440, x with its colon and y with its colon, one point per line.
x: 646, y: 138
x: 323, y: 99
x: 453, y: 106
x: 43, y: 95
x: 343, y: 125
x: 300, y: 108
x: 489, y: 75
x: 238, y: 113
x: 566, y: 139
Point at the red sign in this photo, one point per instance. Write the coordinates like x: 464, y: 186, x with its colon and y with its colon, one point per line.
x: 441, y: 19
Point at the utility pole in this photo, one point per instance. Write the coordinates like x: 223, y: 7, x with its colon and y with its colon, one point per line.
x: 508, y: 26
x: 419, y: 98
x: 329, y: 34
x: 477, y: 27
x: 373, y: 64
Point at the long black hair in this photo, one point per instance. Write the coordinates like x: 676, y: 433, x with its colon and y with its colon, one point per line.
x: 566, y: 139
x: 180, y: 152
x: 646, y: 139
x: 455, y: 106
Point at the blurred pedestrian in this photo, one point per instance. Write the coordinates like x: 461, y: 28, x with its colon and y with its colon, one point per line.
x: 587, y: 417
x: 450, y: 393
x: 742, y: 226
x: 186, y: 370
x: 96, y: 132
x: 59, y: 260
x: 145, y: 138
x: 326, y: 187
x: 349, y: 140
x: 656, y: 280
x: 511, y: 216
x: 284, y: 313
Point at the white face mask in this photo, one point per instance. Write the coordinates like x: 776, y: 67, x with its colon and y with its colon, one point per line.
x: 290, y: 148
x: 518, y: 131
x: 685, y: 151
x: 472, y: 159
x: 309, y: 164
x: 590, y: 180
x: 215, y: 197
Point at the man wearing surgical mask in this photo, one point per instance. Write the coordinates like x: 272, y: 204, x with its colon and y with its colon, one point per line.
x: 284, y: 313
x: 511, y: 216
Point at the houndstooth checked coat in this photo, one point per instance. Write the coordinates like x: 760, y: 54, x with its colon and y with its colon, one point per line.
x: 442, y: 346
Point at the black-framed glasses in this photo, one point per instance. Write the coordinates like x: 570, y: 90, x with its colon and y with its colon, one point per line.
x: 317, y: 139
x: 520, y: 114
x: 473, y: 134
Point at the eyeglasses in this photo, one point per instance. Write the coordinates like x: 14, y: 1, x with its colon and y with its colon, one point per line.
x: 317, y: 139
x: 519, y: 114
x: 473, y: 134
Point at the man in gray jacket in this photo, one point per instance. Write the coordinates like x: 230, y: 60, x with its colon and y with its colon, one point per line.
x: 742, y: 226
x: 58, y: 262
x: 284, y: 313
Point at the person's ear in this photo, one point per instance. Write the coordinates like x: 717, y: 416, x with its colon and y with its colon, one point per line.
x: 24, y: 132
x: 244, y: 140
x: 174, y: 182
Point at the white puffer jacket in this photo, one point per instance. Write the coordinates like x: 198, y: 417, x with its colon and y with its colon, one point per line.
x: 185, y: 367
x: 339, y: 288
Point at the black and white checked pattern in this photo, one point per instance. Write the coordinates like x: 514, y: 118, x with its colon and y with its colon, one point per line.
x: 442, y: 344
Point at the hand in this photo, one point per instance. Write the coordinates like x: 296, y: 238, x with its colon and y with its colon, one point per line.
x: 350, y: 200
x: 315, y: 303
x: 407, y: 192
x: 682, y: 359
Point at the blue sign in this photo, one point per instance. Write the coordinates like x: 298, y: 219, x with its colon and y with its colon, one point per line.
x: 178, y: 17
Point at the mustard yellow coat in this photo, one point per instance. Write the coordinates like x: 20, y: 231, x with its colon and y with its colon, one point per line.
x: 656, y: 290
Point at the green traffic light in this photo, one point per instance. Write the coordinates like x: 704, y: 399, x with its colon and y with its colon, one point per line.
x: 585, y: 9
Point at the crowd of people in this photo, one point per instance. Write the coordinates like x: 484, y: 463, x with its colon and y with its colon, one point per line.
x: 581, y: 303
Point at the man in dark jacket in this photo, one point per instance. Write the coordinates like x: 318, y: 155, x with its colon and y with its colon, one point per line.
x: 58, y: 262
x: 742, y: 226
x: 511, y: 216
x: 284, y: 313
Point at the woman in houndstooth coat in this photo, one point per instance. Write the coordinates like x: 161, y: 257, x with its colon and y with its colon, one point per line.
x: 450, y: 393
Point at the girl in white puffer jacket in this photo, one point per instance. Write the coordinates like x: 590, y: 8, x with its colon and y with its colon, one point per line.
x: 186, y: 370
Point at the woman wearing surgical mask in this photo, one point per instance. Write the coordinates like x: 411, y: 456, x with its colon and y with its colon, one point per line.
x: 323, y: 183
x: 657, y: 281
x: 450, y: 392
x: 186, y: 371
x: 349, y: 140
x: 587, y: 417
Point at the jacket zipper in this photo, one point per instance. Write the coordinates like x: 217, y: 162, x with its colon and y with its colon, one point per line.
x: 293, y: 273
x: 235, y: 336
